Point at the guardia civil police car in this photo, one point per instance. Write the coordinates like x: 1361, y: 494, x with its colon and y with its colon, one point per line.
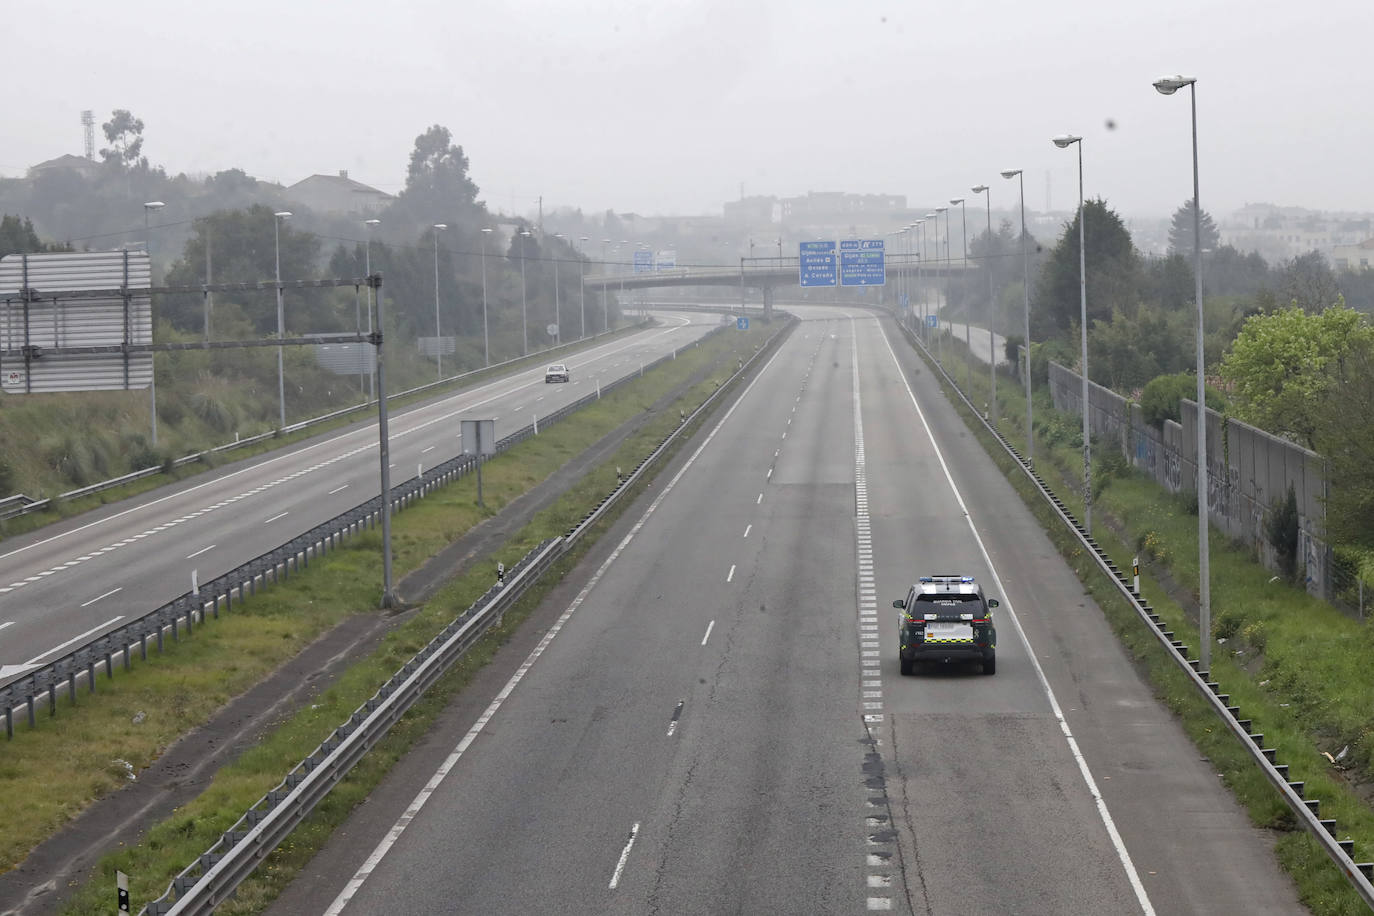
x: 946, y: 619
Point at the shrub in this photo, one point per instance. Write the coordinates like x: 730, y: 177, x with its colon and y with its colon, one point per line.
x: 1162, y: 396
x: 1281, y: 528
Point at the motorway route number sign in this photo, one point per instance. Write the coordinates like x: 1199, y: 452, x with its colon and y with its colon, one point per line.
x: 816, y: 264
x: 861, y: 262
x: 742, y: 323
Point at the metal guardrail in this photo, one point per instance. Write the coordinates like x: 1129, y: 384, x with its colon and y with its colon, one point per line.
x: 24, y: 693
x: 218, y: 871
x: 1305, y: 810
x: 19, y: 504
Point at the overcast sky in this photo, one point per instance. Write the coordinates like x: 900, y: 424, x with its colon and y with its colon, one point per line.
x: 671, y: 106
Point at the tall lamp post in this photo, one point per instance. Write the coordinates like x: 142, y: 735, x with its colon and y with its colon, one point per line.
x: 1168, y: 86
x: 281, y: 318
x: 920, y: 227
x: 524, y: 302
x: 944, y: 305
x: 1064, y: 141
x: 582, y: 284
x: 486, y: 338
x: 963, y: 272
x: 605, y: 310
x: 148, y: 208
x: 438, y: 347
x: 557, y: 307
x: 371, y: 224
x: 992, y: 337
x: 1025, y: 290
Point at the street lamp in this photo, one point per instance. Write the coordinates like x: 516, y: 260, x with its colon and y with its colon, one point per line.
x: 148, y: 208
x: 582, y: 283
x: 438, y: 348
x: 277, y: 217
x: 605, y: 311
x: 919, y: 226
x: 1168, y: 86
x: 938, y: 211
x: 1064, y: 141
x: 992, y: 337
x: 1025, y: 289
x: 963, y: 272
x: 524, y: 302
x: 557, y: 307
x: 486, y: 340
x: 371, y: 297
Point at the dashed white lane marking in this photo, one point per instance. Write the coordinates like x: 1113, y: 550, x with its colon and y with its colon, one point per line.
x: 430, y: 449
x: 268, y: 521
x: 759, y: 500
x: 1142, y: 898
x: 709, y: 627
x: 624, y: 856
x: 677, y: 716
x: 747, y: 529
x: 7, y: 623
x: 202, y: 550
x: 730, y: 576
x: 394, y: 834
x: 338, y: 489
x: 98, y: 597
x: 75, y: 639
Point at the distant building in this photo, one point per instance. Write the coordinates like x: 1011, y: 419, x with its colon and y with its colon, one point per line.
x: 751, y: 211
x: 79, y: 164
x: 1354, y: 257
x: 839, y: 206
x: 337, y: 194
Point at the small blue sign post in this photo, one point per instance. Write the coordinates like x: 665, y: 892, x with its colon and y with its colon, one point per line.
x: 816, y: 264
x: 932, y: 321
x: 742, y: 323
x: 861, y: 262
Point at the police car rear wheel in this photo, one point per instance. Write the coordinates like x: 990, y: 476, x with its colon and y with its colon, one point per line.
x: 990, y: 665
x: 908, y: 666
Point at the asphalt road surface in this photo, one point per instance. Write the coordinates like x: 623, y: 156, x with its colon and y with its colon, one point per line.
x: 708, y: 717
x: 66, y: 583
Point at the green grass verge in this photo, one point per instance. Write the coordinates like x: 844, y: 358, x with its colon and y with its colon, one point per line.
x: 62, y: 766
x: 1320, y: 653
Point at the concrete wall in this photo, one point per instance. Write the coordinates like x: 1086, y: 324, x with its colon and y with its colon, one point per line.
x: 1248, y: 468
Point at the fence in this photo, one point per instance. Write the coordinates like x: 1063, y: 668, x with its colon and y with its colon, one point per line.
x: 1248, y: 469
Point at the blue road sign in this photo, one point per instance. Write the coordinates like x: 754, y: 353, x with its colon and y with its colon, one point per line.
x: 861, y: 262
x: 932, y: 321
x: 905, y: 300
x: 816, y: 264
x: 742, y: 323
x: 644, y: 261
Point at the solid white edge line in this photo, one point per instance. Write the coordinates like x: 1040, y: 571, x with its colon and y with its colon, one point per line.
x: 422, y: 797
x: 199, y: 552
x: 1141, y: 896
x: 77, y: 638
x: 624, y: 856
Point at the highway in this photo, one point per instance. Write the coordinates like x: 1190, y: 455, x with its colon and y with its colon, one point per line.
x: 707, y: 716
x: 64, y: 584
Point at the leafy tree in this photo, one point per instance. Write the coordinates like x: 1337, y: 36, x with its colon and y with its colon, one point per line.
x: 18, y: 237
x: 1286, y: 363
x: 1307, y: 281
x: 243, y: 249
x: 1162, y: 398
x: 1129, y: 350
x: 124, y: 132
x: 1170, y: 281
x: 1345, y: 436
x: 1113, y: 273
x: 1181, y: 231
x: 1228, y: 272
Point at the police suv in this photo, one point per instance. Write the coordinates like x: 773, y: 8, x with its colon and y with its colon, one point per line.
x: 946, y: 619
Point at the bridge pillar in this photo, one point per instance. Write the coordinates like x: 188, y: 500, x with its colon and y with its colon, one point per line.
x: 767, y: 304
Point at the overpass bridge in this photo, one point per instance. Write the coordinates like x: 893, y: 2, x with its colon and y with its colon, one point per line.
x: 768, y: 274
